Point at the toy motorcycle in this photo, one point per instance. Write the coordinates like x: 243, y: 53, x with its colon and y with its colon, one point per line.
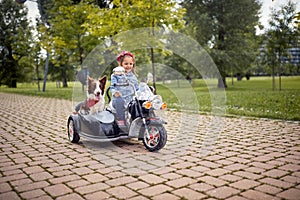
x: 141, y: 121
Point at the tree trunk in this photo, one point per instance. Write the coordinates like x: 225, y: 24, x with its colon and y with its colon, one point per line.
x: 64, y: 77
x: 14, y: 83
x: 46, y: 72
x: 38, y: 76
x: 273, y: 77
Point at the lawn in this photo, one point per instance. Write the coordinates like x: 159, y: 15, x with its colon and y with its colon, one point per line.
x: 253, y: 98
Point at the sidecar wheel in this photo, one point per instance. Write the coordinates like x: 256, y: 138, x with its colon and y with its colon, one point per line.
x: 157, y: 137
x: 72, y: 132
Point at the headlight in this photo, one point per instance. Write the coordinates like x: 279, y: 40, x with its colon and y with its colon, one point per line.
x: 156, y: 102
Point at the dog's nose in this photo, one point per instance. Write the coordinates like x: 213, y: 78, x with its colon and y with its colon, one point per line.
x: 98, y: 93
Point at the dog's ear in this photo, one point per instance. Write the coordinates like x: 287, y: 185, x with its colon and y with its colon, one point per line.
x: 90, y: 87
x: 102, y: 84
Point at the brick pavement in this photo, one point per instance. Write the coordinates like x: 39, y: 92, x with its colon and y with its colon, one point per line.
x: 205, y: 158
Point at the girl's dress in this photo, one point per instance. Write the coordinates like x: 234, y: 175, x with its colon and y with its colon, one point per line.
x: 127, y: 92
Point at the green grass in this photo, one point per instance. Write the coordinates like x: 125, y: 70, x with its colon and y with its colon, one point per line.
x: 254, y: 98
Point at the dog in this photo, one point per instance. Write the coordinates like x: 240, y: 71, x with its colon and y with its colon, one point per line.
x: 95, y: 101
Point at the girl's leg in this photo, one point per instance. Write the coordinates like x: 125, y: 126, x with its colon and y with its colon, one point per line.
x: 119, y: 105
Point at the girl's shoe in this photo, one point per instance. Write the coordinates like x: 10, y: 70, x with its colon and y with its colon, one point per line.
x: 121, y: 122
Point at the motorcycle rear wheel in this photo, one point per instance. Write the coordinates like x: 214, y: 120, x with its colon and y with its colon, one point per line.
x: 157, y: 137
x: 72, y: 132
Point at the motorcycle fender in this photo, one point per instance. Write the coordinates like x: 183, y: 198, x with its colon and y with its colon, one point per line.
x: 155, y: 121
x: 76, y: 121
x: 135, y: 127
x: 137, y: 124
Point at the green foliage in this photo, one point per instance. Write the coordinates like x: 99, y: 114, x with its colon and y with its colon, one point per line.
x: 15, y: 42
x: 70, y: 42
x: 128, y: 15
x: 226, y: 28
x: 281, y: 36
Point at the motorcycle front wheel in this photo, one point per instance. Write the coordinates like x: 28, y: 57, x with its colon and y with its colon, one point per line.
x: 157, y: 137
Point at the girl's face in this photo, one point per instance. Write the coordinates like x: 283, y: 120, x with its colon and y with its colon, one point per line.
x: 127, y: 64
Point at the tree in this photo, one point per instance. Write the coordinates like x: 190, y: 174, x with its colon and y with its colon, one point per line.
x: 129, y: 15
x: 61, y: 36
x: 280, y: 37
x: 14, y: 46
x: 75, y: 27
x: 226, y: 28
x: 64, y: 36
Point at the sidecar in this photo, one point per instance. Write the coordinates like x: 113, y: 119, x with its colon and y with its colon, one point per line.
x: 99, y: 127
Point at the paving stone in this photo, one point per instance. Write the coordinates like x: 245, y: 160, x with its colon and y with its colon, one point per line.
x: 95, y: 177
x: 171, y: 176
x: 276, y: 183
x: 97, y: 196
x: 32, y: 194
x: 121, y: 192
x: 121, y: 181
x: 77, y: 183
x: 201, y: 187
x: 166, y: 196
x: 223, y: 192
x: 268, y: 189
x: 155, y: 190
x: 291, y: 193
x: 188, y: 194
x: 70, y: 196
x: 212, y: 181
x: 291, y: 179
x: 236, y: 167
x: 137, y: 185
x: 275, y: 173
x: 152, y: 179
x: 41, y: 176
x: 32, y: 186
x: 64, y: 179
x: 91, y: 188
x: 139, y: 197
x: 82, y: 171
x: 9, y: 195
x: 217, y: 172
x: 248, y: 175
x: 58, y: 190
x: 181, y: 182
x: 5, y: 187
x: 244, y: 184
x: 257, y: 195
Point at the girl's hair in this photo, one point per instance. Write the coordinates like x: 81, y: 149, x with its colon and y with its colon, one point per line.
x: 124, y: 54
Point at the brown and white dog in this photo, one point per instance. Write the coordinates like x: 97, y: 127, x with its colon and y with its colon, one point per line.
x: 95, y: 96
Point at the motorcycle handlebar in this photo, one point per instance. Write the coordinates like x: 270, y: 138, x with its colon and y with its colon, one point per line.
x: 120, y: 84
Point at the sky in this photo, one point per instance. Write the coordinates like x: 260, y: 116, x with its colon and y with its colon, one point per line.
x: 264, y: 16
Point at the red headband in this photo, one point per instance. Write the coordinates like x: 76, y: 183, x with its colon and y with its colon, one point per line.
x: 124, y: 53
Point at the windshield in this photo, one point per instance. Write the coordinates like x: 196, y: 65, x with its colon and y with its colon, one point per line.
x: 144, y: 92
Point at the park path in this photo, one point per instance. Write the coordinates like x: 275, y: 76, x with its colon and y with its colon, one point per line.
x: 205, y: 158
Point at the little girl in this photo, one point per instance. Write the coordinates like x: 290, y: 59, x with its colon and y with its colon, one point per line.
x: 122, y: 94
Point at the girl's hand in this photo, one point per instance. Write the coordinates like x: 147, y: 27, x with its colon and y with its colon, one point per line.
x: 117, y: 94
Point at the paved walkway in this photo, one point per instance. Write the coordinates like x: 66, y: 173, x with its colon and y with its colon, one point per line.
x: 205, y: 158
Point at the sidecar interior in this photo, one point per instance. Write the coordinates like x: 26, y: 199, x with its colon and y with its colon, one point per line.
x: 98, y: 125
